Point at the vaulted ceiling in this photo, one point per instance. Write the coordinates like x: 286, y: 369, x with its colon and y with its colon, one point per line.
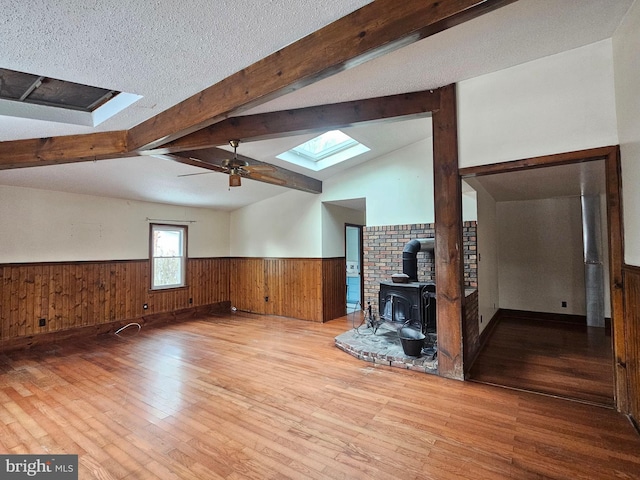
x: 195, y: 65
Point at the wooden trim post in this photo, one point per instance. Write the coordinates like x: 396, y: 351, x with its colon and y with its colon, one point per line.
x: 448, y: 251
x: 616, y: 261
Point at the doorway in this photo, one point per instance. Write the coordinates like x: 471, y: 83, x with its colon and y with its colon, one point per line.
x: 354, y: 261
x: 551, y: 354
x: 528, y: 305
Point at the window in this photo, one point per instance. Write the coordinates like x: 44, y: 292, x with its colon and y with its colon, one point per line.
x: 324, y: 151
x: 27, y: 95
x: 168, y: 256
x: 325, y: 145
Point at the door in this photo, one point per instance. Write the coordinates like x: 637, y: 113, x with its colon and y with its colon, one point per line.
x: 353, y: 254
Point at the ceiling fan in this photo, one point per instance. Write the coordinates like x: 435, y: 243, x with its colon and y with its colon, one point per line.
x: 237, y: 168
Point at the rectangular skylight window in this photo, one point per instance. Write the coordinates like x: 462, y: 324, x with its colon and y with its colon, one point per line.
x: 29, y: 88
x: 42, y: 98
x: 324, y: 151
x: 324, y: 145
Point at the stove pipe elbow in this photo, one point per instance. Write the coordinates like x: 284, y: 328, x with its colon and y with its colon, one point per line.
x: 410, y: 255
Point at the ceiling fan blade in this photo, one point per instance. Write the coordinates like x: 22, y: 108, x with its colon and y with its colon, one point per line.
x: 265, y: 178
x: 259, y: 168
x: 193, y: 174
x: 214, y: 155
x: 198, y: 163
x: 217, y: 158
x: 209, y: 166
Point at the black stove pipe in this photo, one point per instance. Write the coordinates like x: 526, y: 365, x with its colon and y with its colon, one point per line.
x: 410, y: 255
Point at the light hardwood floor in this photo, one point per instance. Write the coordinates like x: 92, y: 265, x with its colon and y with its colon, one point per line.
x: 243, y: 396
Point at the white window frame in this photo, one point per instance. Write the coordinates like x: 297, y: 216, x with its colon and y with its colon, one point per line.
x: 183, y: 255
x: 345, y: 150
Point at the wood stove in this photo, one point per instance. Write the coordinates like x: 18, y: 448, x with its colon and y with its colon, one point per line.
x: 409, y: 303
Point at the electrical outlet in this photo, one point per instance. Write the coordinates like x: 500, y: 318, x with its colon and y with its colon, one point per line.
x: 190, y: 300
x: 266, y: 299
x: 564, y: 304
x: 42, y: 322
x: 145, y: 306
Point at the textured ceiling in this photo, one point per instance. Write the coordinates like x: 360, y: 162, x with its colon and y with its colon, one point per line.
x: 169, y: 50
x: 164, y: 50
x: 517, y: 33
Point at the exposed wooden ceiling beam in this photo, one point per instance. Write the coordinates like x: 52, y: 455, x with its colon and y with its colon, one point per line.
x: 371, y: 31
x: 206, y: 158
x: 67, y: 149
x: 306, y: 120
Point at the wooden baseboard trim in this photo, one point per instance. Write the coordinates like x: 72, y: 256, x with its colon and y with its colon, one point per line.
x: 155, y: 320
x: 552, y: 317
x: 634, y: 423
x: 486, y: 333
x: 556, y: 317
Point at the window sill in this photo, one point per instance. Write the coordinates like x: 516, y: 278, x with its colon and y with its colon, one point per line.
x: 168, y: 289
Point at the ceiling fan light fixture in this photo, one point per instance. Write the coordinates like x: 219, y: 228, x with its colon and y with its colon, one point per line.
x: 234, y: 180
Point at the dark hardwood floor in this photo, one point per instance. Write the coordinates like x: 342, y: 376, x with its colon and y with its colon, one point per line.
x: 258, y: 397
x: 537, y: 353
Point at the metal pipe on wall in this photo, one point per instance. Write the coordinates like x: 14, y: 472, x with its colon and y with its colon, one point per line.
x: 593, y: 268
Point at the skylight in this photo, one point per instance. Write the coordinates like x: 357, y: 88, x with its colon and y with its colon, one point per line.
x: 324, y: 151
x: 42, y: 98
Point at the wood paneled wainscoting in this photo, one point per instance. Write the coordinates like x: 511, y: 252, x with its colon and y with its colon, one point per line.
x: 88, y: 298
x: 631, y: 282
x: 306, y: 288
x: 95, y: 297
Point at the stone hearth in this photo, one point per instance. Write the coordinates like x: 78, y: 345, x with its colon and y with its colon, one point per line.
x: 384, y: 348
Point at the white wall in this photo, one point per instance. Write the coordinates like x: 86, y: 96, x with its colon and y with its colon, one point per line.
x: 398, y: 187
x: 334, y: 218
x: 487, y: 237
x: 53, y: 226
x: 43, y: 226
x: 469, y: 205
x: 527, y: 221
x: 292, y: 225
x: 288, y: 225
x: 626, y: 45
x: 540, y: 256
x: 556, y: 104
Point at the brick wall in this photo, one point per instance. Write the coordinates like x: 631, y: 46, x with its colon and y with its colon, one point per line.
x: 469, y: 240
x: 383, y: 247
